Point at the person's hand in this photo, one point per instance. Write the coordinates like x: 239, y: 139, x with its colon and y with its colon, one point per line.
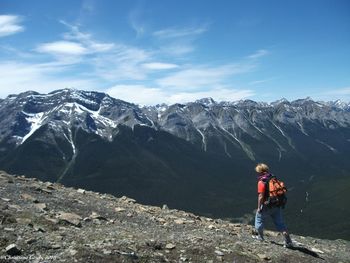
x: 259, y: 210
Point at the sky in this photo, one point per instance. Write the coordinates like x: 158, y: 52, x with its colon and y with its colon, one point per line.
x: 176, y: 51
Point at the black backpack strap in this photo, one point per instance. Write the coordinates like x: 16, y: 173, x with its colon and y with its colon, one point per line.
x: 267, y: 189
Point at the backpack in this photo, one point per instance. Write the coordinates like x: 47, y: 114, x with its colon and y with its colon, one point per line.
x: 275, y: 192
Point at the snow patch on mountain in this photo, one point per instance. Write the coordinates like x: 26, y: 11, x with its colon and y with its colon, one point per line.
x: 35, y: 121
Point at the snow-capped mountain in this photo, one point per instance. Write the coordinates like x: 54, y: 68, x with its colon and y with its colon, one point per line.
x: 198, y: 122
x: 192, y: 156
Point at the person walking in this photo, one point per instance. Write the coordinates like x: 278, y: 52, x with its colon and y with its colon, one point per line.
x: 265, y: 209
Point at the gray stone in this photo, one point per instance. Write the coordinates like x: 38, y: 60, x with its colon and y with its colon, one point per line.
x: 263, y: 256
x: 71, y: 218
x: 219, y: 253
x: 170, y: 246
x: 94, y: 215
x: 119, y: 209
x: 41, y: 206
x: 29, y: 198
x: 81, y: 191
x: 13, y: 250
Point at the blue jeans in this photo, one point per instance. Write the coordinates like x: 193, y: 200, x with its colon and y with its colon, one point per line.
x: 275, y: 213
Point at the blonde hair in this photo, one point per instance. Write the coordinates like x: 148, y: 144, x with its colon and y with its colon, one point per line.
x: 261, y: 168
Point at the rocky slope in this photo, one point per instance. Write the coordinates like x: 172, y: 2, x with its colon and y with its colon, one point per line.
x: 47, y: 222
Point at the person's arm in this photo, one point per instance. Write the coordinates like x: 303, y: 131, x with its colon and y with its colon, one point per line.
x: 261, y: 191
x: 260, y: 201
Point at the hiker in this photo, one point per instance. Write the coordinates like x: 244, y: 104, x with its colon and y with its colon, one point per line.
x: 266, y: 209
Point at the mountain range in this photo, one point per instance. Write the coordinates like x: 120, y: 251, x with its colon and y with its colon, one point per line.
x: 199, y: 156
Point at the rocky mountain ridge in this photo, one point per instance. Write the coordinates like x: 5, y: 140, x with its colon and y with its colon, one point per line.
x: 197, y: 156
x: 47, y: 222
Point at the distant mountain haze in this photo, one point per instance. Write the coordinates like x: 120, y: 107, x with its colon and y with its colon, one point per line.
x: 198, y: 156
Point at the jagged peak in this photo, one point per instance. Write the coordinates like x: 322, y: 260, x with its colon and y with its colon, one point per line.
x: 280, y: 101
x: 206, y: 101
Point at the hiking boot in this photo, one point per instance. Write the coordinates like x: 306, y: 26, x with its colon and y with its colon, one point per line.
x: 287, y: 241
x: 288, y: 244
x: 258, y: 237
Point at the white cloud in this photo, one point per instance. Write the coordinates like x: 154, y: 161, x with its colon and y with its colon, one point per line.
x: 259, y: 53
x: 143, y: 95
x: 159, y: 66
x: 203, y: 76
x: 218, y: 94
x: 180, y: 32
x: 9, y: 25
x: 177, y: 49
x: 62, y: 48
x: 123, y: 67
x: 123, y: 63
x: 85, y: 39
x: 16, y: 77
x: 258, y: 82
x: 135, y: 22
x: 138, y: 94
x: 343, y: 91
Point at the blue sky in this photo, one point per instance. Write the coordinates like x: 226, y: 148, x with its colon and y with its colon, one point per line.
x: 156, y: 51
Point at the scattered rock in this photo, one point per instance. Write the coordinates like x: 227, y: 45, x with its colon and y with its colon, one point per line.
x: 56, y: 246
x: 44, y: 190
x: 170, y: 246
x: 7, y: 218
x: 71, y: 218
x: 179, y: 221
x: 127, y: 199
x: 119, y: 227
x: 6, y: 199
x: 219, y: 253
x: 94, y: 215
x: 16, y: 207
x: 161, y: 220
x: 10, y: 181
x: 156, y: 245
x: 72, y: 252
x: 81, y: 191
x: 13, y: 250
x: 119, y: 209
x: 29, y: 198
x: 31, y: 241
x: 107, y: 251
x: 39, y: 229
x: 263, y: 256
x: 41, y: 206
x: 317, y: 250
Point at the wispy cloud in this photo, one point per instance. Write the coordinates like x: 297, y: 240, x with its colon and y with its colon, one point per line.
x: 258, y: 54
x: 177, y: 32
x: 42, y: 77
x: 159, y: 66
x: 258, y: 82
x: 179, y: 41
x: 343, y: 91
x: 135, y: 22
x: 88, y: 5
x: 199, y: 77
x: 136, y: 74
x: 144, y: 95
x: 9, y: 25
x: 62, y: 48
